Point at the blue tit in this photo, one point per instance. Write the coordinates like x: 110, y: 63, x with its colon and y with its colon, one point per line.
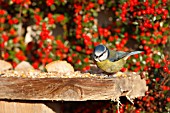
x: 110, y: 61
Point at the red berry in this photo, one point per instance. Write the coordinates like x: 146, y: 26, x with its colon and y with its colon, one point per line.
x: 152, y: 98
x: 123, y: 19
x: 5, y: 37
x: 146, y: 3
x: 164, y: 1
x: 136, y: 56
x: 144, y: 12
x: 164, y: 17
x: 168, y: 72
x: 148, y: 104
x: 146, y: 48
x: 78, y: 48
x: 166, y: 12
x: 147, y: 92
x: 137, y: 63
x: 134, y: 14
x: 139, y: 13
x: 69, y: 59
x: 35, y: 64
x: 101, y: 2
x: 157, y: 79
x: 86, y: 60
x: 145, y: 24
x: 148, y: 34
x: 148, y: 82
x: 157, y: 65
x: 159, y: 11
x: 137, y: 111
x: 144, y: 98
x: 123, y: 69
x: 6, y: 56
x: 143, y: 41
x: 165, y: 88
x: 168, y: 99
x: 165, y: 68
x: 149, y: 25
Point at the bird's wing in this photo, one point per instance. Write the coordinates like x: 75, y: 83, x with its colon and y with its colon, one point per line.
x: 116, y: 55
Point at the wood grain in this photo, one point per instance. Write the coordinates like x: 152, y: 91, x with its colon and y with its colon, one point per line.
x: 71, y: 89
x: 28, y: 107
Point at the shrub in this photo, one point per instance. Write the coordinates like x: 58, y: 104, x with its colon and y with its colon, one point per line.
x: 46, y: 30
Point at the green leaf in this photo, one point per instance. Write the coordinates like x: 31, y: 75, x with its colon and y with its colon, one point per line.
x: 94, y: 13
x: 135, y: 23
x: 53, y: 7
x: 158, y: 17
x: 52, y: 55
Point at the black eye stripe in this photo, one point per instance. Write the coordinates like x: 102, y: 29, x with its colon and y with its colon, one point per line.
x: 102, y: 53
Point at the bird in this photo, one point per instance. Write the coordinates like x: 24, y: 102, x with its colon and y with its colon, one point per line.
x: 110, y: 61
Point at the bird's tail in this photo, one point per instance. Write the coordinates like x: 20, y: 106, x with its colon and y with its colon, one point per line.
x: 132, y: 53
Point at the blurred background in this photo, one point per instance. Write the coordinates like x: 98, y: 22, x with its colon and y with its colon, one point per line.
x: 41, y: 31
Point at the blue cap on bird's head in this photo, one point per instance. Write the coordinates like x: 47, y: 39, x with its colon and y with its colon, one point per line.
x: 100, y: 53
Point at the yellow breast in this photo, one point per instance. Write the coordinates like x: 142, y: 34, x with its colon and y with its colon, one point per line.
x: 111, y: 67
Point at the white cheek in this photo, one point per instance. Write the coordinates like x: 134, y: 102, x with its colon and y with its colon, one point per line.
x: 97, y: 60
x: 103, y: 57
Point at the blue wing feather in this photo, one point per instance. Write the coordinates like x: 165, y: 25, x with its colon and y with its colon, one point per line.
x: 116, y: 55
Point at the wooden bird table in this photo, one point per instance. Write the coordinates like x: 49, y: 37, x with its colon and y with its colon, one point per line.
x: 16, y: 85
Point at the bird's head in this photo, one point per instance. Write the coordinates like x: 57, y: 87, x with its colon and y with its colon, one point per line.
x: 100, y: 53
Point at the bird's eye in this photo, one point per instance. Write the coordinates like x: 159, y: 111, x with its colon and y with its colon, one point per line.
x: 95, y: 56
